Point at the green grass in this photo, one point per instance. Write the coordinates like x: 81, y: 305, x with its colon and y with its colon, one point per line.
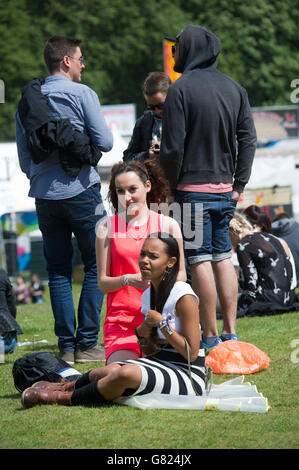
x: 118, y: 427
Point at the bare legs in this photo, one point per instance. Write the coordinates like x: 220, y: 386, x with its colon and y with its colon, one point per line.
x: 122, y: 355
x: 203, y: 283
x: 209, y: 278
x: 115, y: 383
x: 227, y: 288
x: 114, y: 379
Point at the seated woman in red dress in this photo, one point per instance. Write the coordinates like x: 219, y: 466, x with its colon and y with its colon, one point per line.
x: 133, y: 188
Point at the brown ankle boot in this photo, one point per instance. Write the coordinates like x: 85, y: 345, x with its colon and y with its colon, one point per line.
x: 34, y: 396
x: 62, y: 386
x: 69, y: 386
x: 48, y: 385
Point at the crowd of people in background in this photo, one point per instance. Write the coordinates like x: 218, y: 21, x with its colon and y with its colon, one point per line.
x: 26, y: 293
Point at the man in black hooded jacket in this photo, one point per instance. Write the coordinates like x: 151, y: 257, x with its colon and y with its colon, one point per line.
x: 207, y: 149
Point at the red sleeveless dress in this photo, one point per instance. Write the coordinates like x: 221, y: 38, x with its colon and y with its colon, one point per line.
x: 124, y: 305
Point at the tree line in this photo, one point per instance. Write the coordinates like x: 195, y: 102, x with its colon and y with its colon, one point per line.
x: 123, y: 42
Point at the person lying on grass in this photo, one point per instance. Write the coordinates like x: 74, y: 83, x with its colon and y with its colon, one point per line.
x: 169, y: 334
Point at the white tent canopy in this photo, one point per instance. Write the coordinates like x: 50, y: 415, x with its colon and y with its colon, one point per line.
x: 14, y: 185
x: 274, y: 165
x: 116, y: 153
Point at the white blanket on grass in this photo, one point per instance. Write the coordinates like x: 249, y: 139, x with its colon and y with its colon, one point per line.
x: 233, y: 395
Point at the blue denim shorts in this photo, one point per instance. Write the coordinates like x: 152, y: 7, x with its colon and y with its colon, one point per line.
x: 205, y: 219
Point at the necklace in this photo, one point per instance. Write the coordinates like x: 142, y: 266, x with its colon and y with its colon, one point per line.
x: 140, y: 236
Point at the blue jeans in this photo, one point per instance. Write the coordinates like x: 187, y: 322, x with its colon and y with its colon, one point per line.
x: 10, y: 342
x: 207, y: 215
x: 58, y: 219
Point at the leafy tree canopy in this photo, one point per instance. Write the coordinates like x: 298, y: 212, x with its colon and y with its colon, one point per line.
x: 123, y: 43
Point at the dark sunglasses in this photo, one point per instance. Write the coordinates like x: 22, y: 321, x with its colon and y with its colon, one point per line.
x: 152, y: 107
x: 81, y: 59
x: 173, y: 49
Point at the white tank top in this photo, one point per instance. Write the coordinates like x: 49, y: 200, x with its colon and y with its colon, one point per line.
x: 179, y: 289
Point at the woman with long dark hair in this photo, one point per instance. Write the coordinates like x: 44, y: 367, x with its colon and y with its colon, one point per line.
x: 176, y: 365
x: 134, y: 187
x: 258, y: 218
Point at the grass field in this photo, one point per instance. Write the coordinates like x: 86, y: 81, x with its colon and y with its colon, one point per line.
x: 119, y: 427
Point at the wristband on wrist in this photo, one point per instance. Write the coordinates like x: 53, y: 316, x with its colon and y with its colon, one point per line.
x: 164, y: 324
x: 124, y: 280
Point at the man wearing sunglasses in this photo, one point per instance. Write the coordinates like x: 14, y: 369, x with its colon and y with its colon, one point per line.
x: 67, y: 204
x: 146, y: 138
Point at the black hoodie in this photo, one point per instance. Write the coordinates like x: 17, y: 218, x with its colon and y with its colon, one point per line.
x: 206, y: 116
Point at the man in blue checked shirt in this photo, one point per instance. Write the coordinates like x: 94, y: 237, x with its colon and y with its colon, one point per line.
x: 67, y: 205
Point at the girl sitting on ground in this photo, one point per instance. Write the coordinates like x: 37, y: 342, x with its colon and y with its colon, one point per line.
x: 134, y: 187
x: 170, y: 330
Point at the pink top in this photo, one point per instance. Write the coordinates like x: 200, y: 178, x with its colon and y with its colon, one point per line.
x: 206, y: 187
x: 124, y: 305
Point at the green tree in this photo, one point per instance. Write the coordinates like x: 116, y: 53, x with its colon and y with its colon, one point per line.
x: 123, y: 43
x: 260, y: 44
x: 19, y: 58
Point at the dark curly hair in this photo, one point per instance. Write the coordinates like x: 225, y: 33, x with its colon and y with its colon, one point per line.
x: 148, y: 170
x: 257, y: 216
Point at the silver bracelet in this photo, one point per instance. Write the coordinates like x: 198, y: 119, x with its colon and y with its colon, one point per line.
x: 164, y: 323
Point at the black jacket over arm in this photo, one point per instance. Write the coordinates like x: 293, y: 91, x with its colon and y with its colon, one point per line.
x: 141, y: 139
x: 45, y: 134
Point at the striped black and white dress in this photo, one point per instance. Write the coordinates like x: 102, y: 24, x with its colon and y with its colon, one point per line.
x: 166, y: 372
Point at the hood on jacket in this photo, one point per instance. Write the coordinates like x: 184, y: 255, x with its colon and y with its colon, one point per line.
x: 283, y: 226
x: 198, y: 48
